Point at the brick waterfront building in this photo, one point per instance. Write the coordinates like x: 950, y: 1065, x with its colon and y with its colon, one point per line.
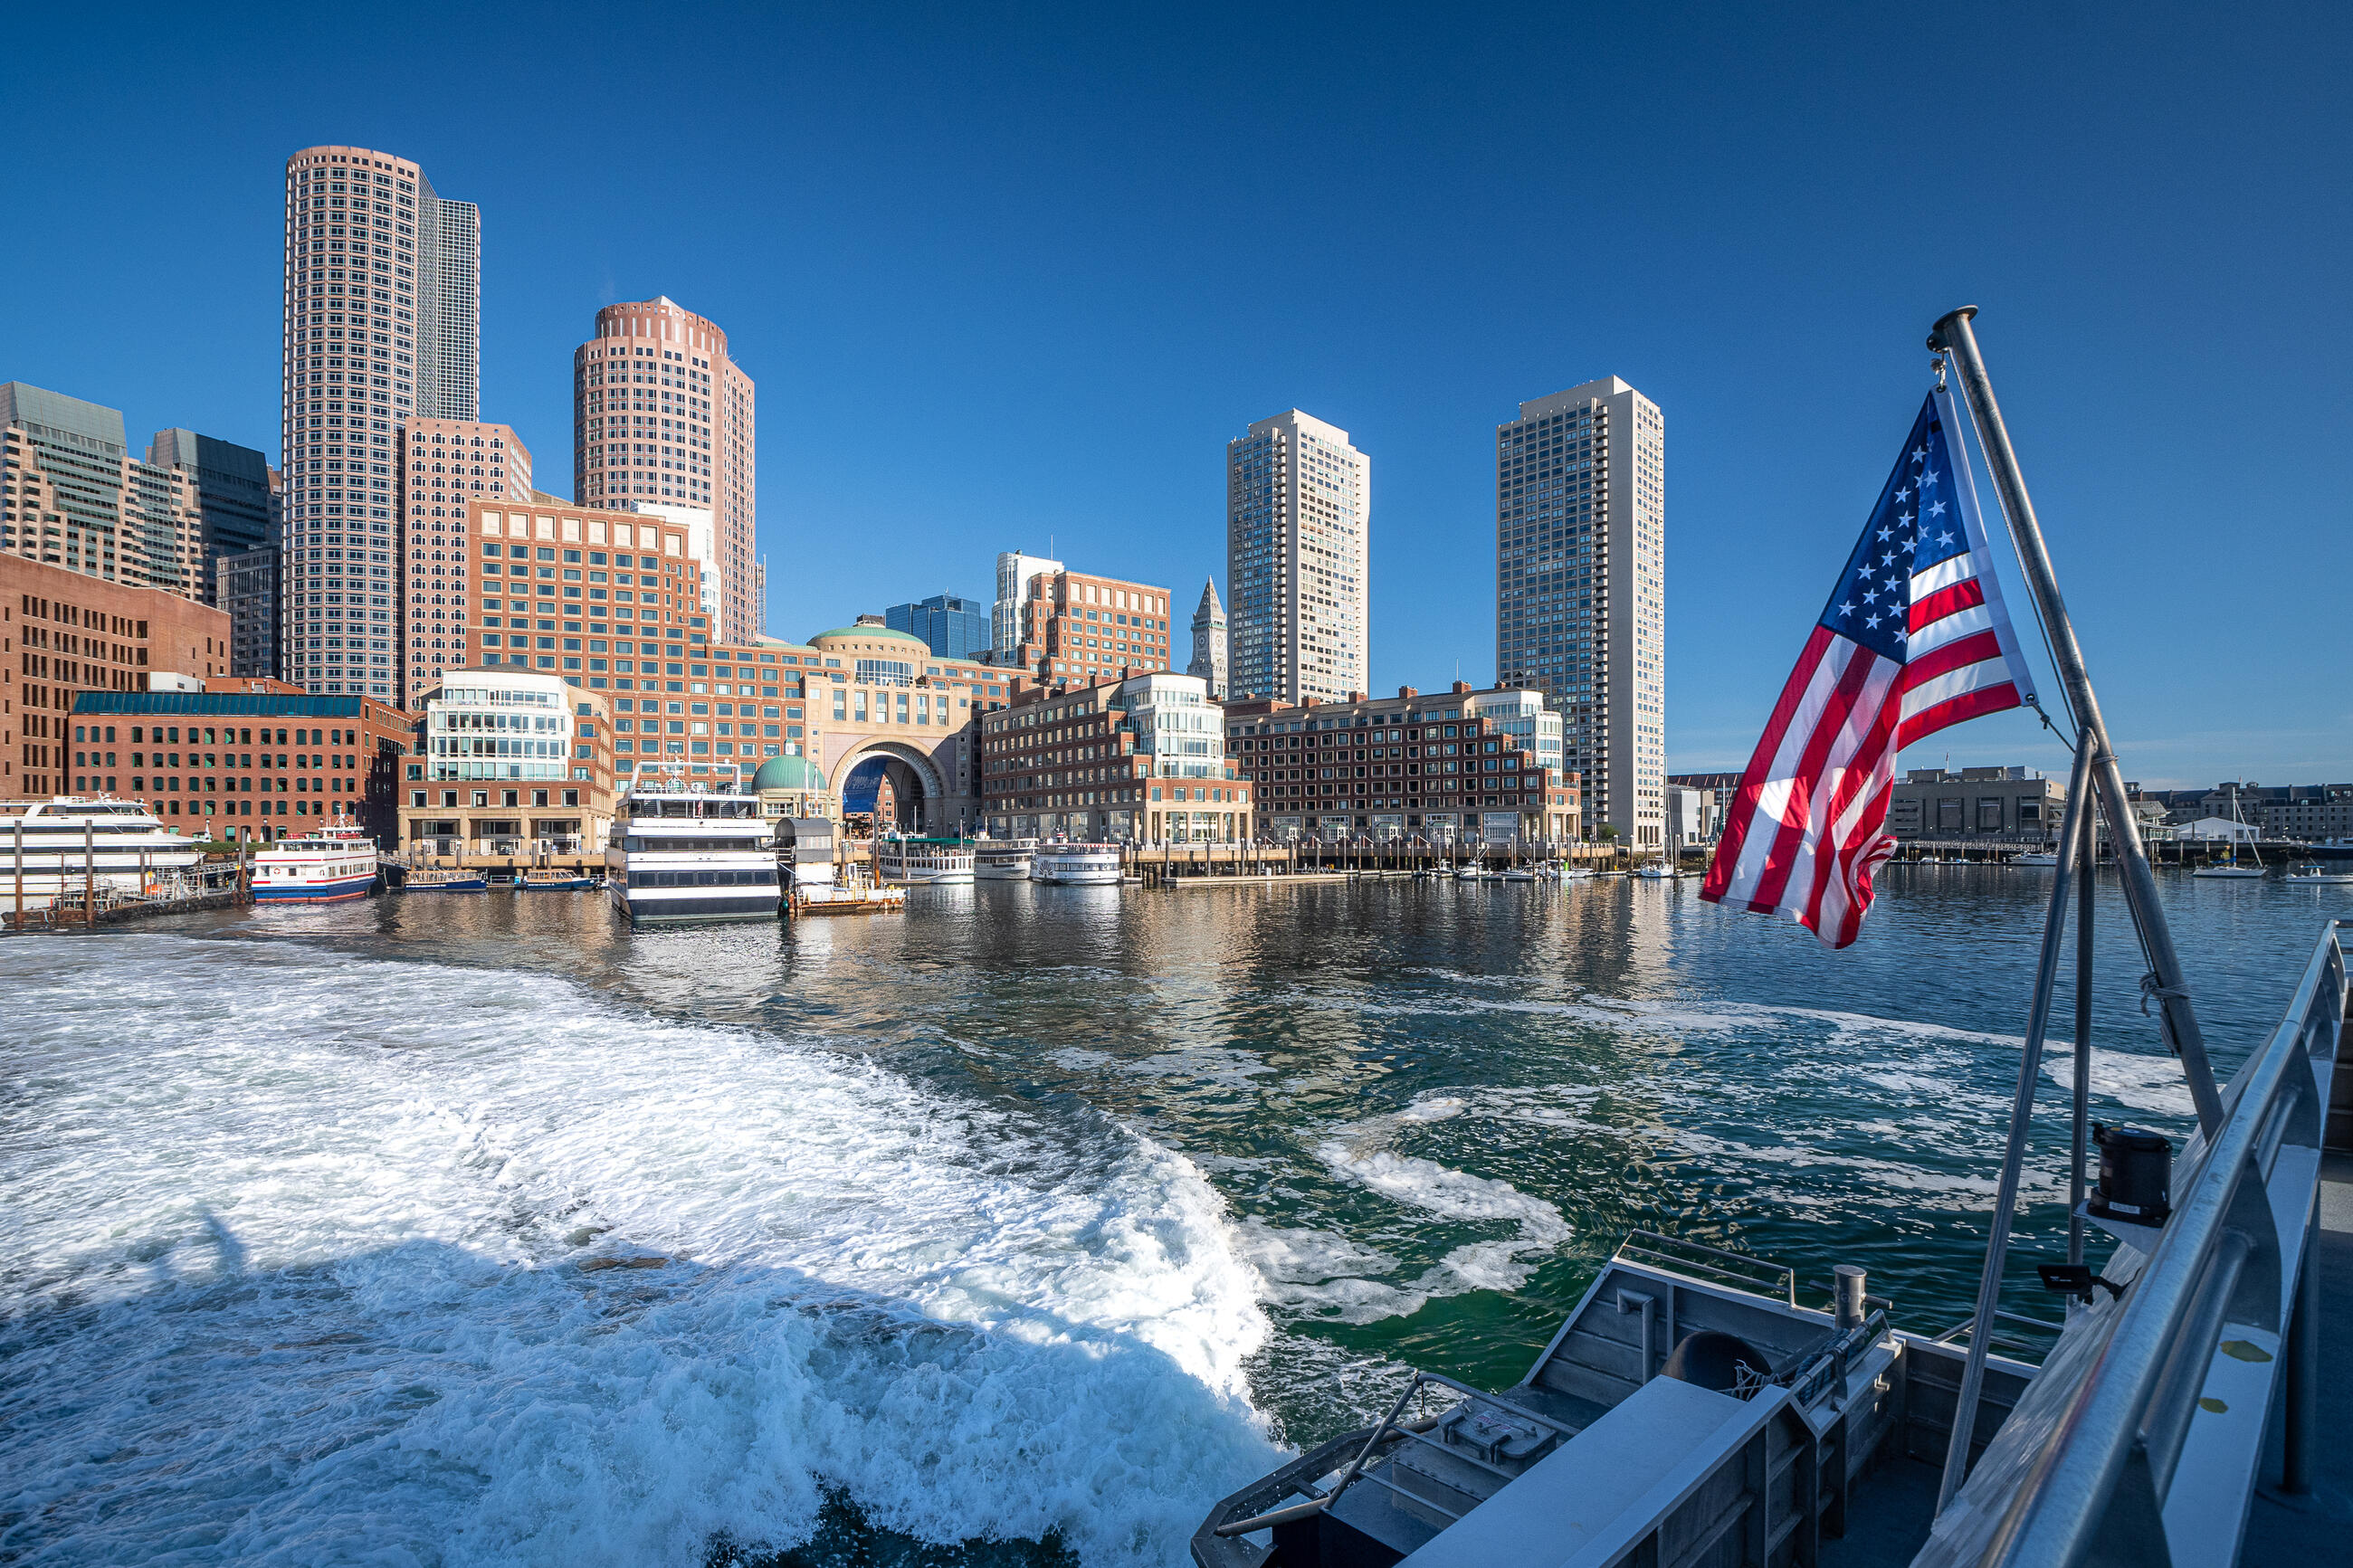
x: 1139, y: 758
x: 244, y: 759
x: 64, y: 633
x: 1464, y: 765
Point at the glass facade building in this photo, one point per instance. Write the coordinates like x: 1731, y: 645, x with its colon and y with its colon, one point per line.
x: 953, y: 628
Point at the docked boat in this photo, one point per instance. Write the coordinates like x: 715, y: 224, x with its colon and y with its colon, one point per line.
x: 852, y: 891
x: 1004, y: 859
x: 2314, y: 871
x: 552, y: 880
x: 324, y: 867
x: 922, y: 862
x: 1076, y: 865
x: 64, y: 843
x: 1656, y: 871
x: 444, y: 880
x: 2036, y: 857
x: 2231, y: 870
x: 691, y: 851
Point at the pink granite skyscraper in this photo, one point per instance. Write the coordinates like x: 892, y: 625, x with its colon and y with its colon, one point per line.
x: 660, y: 415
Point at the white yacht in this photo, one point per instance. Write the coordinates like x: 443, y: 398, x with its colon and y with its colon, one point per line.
x: 58, y: 845
x: 1076, y: 865
x: 685, y: 851
x: 325, y: 867
x: 1004, y: 859
x: 922, y: 861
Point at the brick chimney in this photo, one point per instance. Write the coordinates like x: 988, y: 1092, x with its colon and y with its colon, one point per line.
x: 1408, y: 693
x: 1461, y: 687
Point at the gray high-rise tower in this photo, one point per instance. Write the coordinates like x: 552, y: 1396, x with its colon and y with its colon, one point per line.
x: 1580, y: 590
x: 1210, y: 642
x: 382, y: 328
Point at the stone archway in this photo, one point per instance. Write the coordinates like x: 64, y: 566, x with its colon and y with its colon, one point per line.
x: 905, y: 780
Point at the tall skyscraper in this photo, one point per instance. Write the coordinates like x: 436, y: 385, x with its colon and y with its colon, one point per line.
x: 1580, y: 589
x: 443, y: 465
x: 660, y: 413
x: 1209, y: 641
x: 382, y: 322
x: 228, y: 485
x: 76, y: 497
x: 1009, y: 616
x: 1298, y: 559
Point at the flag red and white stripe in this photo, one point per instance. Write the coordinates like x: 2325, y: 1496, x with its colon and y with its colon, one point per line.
x: 1913, y: 641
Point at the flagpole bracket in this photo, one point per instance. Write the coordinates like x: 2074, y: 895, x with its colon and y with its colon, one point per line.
x: 1939, y: 335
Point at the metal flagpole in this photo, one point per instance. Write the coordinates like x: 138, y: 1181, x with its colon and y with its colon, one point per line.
x: 2079, y: 1142
x: 2021, y: 1114
x: 1953, y: 335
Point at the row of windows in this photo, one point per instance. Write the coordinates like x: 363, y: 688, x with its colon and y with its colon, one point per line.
x: 759, y: 879
x: 170, y: 735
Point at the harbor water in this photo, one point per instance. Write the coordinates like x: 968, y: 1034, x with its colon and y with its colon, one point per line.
x: 1018, y: 1228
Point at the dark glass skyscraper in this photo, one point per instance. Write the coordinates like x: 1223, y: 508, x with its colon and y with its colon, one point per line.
x: 954, y: 627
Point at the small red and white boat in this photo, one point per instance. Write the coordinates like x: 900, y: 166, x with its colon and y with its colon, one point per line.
x: 334, y: 863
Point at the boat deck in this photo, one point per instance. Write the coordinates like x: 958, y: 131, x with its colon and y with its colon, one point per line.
x: 2312, y: 1528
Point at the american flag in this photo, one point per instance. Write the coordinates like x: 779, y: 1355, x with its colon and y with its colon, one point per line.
x: 1914, y: 639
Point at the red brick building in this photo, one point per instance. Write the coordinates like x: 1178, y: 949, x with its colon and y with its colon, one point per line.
x: 64, y: 633
x: 244, y: 758
x: 1459, y: 766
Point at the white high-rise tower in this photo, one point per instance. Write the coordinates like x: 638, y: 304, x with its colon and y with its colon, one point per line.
x: 383, y: 329
x: 1298, y: 559
x: 1580, y: 590
x: 1007, y: 616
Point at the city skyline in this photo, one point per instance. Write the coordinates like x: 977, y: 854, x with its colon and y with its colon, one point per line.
x: 868, y: 310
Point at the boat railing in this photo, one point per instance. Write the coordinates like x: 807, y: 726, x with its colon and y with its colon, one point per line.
x: 2221, y: 1300
x: 1710, y: 1263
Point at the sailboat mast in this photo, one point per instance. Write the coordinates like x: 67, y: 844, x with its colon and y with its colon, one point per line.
x: 1953, y: 336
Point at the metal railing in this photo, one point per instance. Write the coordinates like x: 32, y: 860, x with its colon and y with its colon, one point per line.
x: 2223, y: 1281
x: 1742, y: 1270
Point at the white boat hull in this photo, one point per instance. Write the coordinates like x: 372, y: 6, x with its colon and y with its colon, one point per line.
x: 1076, y: 868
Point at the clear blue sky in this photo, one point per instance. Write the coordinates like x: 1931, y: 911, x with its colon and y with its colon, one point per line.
x: 1007, y: 274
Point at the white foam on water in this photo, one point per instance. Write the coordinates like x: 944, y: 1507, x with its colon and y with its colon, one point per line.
x: 2130, y: 1079
x: 1321, y: 1275
x: 1359, y: 1154
x: 306, y: 1257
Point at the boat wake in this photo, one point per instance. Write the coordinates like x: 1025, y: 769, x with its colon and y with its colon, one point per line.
x: 310, y: 1257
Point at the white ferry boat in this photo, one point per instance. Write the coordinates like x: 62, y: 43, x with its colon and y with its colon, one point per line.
x: 686, y: 851
x: 1004, y: 859
x: 56, y: 846
x: 922, y: 861
x: 1076, y: 865
x: 334, y: 863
